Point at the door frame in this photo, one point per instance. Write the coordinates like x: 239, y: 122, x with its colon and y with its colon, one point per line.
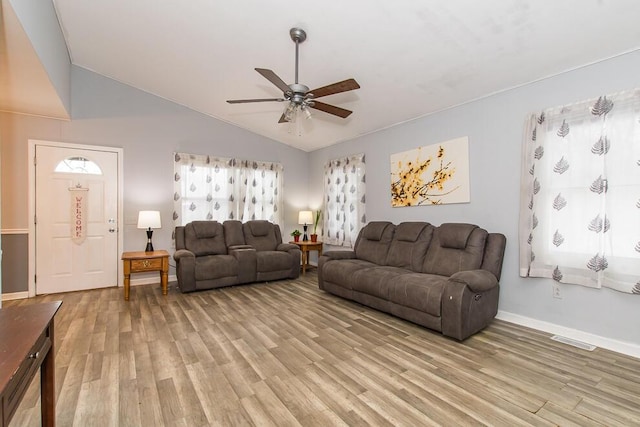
x: 32, y: 202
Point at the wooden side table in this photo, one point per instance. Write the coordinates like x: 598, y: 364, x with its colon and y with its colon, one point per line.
x: 305, y: 247
x: 142, y: 262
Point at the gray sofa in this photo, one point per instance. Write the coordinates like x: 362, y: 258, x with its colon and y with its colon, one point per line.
x: 444, y: 278
x: 212, y: 255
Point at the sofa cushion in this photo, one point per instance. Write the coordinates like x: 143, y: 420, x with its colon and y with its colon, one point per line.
x: 409, y: 245
x: 422, y: 292
x: 455, y: 236
x: 373, y: 241
x: 261, y: 235
x: 215, y: 267
x: 446, y: 260
x: 374, y: 230
x: 273, y: 261
x: 377, y: 281
x: 340, y: 272
x: 205, y: 238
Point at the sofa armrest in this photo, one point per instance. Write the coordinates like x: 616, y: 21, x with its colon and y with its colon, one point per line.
x: 185, y: 270
x: 183, y: 253
x: 286, y: 247
x: 476, y: 280
x: 469, y: 303
x: 339, y: 254
x: 331, y: 256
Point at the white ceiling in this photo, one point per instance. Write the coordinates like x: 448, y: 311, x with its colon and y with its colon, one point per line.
x: 410, y: 57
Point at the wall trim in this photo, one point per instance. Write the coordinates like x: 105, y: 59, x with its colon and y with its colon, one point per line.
x: 15, y: 295
x: 14, y: 231
x: 627, y: 348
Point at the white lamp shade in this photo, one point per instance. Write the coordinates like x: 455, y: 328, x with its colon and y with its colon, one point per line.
x: 305, y: 217
x: 149, y: 219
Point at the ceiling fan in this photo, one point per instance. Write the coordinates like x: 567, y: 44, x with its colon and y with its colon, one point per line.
x: 299, y: 96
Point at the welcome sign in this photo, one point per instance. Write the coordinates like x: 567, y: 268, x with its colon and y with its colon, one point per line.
x: 78, y: 212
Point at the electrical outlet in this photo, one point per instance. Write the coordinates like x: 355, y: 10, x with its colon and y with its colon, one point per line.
x: 556, y: 290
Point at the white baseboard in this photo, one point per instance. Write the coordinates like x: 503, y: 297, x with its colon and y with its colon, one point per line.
x: 133, y: 282
x: 149, y: 280
x: 623, y: 347
x: 15, y: 295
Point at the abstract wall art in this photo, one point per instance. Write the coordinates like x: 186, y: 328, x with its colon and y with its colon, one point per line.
x: 431, y: 175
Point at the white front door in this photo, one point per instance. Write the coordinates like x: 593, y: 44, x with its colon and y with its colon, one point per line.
x: 76, y: 219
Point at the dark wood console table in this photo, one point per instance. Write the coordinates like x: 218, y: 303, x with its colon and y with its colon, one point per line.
x: 26, y: 344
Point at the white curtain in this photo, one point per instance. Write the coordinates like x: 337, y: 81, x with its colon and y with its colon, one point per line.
x: 214, y: 188
x: 344, y: 200
x: 580, y: 193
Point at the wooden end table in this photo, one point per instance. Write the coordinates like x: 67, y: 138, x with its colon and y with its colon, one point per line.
x: 142, y: 262
x: 305, y: 247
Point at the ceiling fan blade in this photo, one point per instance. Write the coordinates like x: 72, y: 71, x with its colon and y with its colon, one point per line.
x: 273, y: 78
x: 343, y: 86
x: 282, y: 119
x: 331, y: 109
x: 244, y: 101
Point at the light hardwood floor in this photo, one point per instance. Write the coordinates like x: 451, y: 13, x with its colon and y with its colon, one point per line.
x: 286, y: 353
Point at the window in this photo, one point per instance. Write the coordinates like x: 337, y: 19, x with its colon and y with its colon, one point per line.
x: 78, y: 165
x: 580, y: 197
x: 211, y: 188
x: 344, y: 200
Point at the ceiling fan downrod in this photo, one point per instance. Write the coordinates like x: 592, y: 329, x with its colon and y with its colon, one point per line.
x: 298, y: 36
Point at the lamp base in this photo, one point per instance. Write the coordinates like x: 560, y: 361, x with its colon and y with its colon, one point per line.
x: 305, y: 238
x: 149, y: 247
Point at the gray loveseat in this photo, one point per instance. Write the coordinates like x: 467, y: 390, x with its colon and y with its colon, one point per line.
x: 212, y: 255
x: 444, y: 278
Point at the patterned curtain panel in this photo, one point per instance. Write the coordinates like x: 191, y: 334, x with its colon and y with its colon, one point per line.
x: 213, y: 188
x: 344, y: 200
x: 580, y: 193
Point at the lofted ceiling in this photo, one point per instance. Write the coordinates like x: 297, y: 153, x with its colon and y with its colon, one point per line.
x: 25, y: 86
x: 411, y: 57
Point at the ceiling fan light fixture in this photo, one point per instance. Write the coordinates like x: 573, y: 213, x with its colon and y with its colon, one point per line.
x: 289, y: 112
x: 306, y: 111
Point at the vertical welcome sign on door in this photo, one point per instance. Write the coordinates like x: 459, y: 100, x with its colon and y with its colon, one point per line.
x: 78, y: 223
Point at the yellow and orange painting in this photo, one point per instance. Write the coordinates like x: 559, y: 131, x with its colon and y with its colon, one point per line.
x: 431, y: 175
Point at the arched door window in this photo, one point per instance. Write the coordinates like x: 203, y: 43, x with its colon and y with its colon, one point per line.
x: 78, y: 165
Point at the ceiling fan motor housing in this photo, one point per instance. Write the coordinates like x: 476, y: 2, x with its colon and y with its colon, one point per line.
x: 298, y: 92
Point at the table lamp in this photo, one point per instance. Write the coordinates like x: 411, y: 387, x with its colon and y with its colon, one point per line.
x: 305, y: 218
x: 149, y: 220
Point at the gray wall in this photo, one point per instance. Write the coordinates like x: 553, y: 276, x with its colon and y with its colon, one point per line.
x: 148, y: 129
x: 14, y: 262
x: 494, y: 126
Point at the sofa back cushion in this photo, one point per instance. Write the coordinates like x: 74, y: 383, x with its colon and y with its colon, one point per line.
x: 233, y: 235
x: 262, y: 235
x: 373, y: 241
x: 455, y: 247
x: 205, y: 238
x: 409, y: 245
